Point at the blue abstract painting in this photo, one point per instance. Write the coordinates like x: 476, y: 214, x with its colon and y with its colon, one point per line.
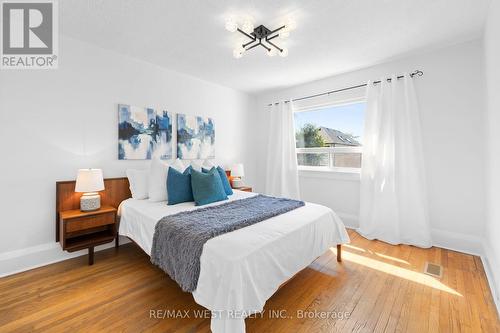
x: 195, y: 137
x: 143, y: 133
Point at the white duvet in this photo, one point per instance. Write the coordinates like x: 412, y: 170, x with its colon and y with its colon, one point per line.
x: 242, y: 269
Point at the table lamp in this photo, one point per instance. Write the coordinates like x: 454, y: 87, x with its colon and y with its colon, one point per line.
x: 89, y: 182
x: 237, y: 171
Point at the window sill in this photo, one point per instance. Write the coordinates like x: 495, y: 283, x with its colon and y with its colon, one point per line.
x: 346, y: 174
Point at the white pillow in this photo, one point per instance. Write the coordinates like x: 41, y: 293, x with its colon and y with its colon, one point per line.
x: 139, y: 183
x: 209, y: 164
x: 179, y: 165
x: 158, y: 178
x: 197, y: 165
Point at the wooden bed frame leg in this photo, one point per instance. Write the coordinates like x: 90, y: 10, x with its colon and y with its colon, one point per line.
x: 339, y: 253
x: 91, y: 256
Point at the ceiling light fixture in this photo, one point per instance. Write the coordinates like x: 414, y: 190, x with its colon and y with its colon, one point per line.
x: 260, y: 36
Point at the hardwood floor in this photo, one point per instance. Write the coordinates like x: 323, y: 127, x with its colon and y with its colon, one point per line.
x: 377, y: 288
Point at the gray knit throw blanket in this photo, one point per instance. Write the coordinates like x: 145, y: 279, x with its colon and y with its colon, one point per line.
x: 178, y: 240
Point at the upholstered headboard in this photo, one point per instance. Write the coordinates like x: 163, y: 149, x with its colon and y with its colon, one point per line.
x: 116, y: 190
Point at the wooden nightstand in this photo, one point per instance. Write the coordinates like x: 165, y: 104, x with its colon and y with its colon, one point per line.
x: 243, y: 188
x: 85, y: 230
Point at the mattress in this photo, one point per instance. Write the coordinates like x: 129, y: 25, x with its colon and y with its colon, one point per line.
x: 240, y: 270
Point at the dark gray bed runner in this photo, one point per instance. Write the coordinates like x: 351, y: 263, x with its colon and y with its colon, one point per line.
x: 178, y: 240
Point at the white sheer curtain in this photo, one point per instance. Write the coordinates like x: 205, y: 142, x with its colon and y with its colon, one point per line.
x: 393, y: 203
x: 282, y: 178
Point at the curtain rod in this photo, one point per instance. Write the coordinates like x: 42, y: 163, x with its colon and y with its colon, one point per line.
x: 417, y: 73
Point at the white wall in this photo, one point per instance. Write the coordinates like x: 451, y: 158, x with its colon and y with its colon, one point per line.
x: 492, y: 53
x: 451, y: 98
x: 54, y: 122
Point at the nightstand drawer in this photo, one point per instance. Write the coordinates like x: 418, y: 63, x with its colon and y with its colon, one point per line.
x: 87, y: 222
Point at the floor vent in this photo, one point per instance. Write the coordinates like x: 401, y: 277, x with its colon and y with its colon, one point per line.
x: 433, y: 269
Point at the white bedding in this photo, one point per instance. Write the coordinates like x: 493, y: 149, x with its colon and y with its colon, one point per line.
x: 242, y: 269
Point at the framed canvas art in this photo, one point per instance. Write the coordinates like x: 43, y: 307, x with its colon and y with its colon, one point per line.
x: 195, y: 137
x: 143, y: 133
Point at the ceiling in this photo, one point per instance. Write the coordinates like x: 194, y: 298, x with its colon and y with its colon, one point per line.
x: 332, y: 36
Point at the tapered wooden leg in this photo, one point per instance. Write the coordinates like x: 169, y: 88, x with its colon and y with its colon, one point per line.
x: 91, y: 255
x: 339, y: 253
x: 117, y: 241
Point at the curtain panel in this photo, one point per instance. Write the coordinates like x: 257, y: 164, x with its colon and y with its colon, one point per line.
x: 282, y: 178
x: 393, y: 194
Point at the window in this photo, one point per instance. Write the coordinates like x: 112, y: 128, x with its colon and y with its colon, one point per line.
x: 330, y: 137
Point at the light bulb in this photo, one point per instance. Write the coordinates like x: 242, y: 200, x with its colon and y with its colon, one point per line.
x: 284, y: 52
x: 239, y: 42
x: 238, y: 53
x: 247, y: 26
x: 284, y: 33
x: 271, y: 52
x: 290, y: 24
x: 231, y: 25
x: 240, y: 48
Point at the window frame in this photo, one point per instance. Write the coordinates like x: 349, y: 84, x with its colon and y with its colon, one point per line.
x: 332, y: 172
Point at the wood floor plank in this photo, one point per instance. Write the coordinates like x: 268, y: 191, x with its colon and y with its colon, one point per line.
x: 376, y: 288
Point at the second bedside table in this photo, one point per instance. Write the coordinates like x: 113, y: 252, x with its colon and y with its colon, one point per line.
x: 85, y: 230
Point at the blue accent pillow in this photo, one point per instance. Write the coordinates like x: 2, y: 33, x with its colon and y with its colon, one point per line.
x: 207, y: 187
x: 179, y: 186
x: 223, y: 178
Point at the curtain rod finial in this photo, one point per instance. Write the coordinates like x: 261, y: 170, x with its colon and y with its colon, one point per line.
x: 417, y: 72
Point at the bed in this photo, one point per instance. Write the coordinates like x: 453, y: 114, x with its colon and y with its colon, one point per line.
x: 242, y: 269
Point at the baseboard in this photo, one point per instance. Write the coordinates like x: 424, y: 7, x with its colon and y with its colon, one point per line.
x: 459, y: 242
x: 469, y: 244
x: 25, y: 259
x: 490, y: 261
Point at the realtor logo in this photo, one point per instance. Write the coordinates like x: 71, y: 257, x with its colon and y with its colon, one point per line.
x: 29, y: 34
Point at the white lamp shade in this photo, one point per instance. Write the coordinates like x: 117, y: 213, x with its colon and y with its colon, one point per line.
x: 89, y: 180
x: 237, y: 170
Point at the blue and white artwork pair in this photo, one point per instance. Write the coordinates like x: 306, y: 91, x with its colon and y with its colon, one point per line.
x: 144, y: 133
